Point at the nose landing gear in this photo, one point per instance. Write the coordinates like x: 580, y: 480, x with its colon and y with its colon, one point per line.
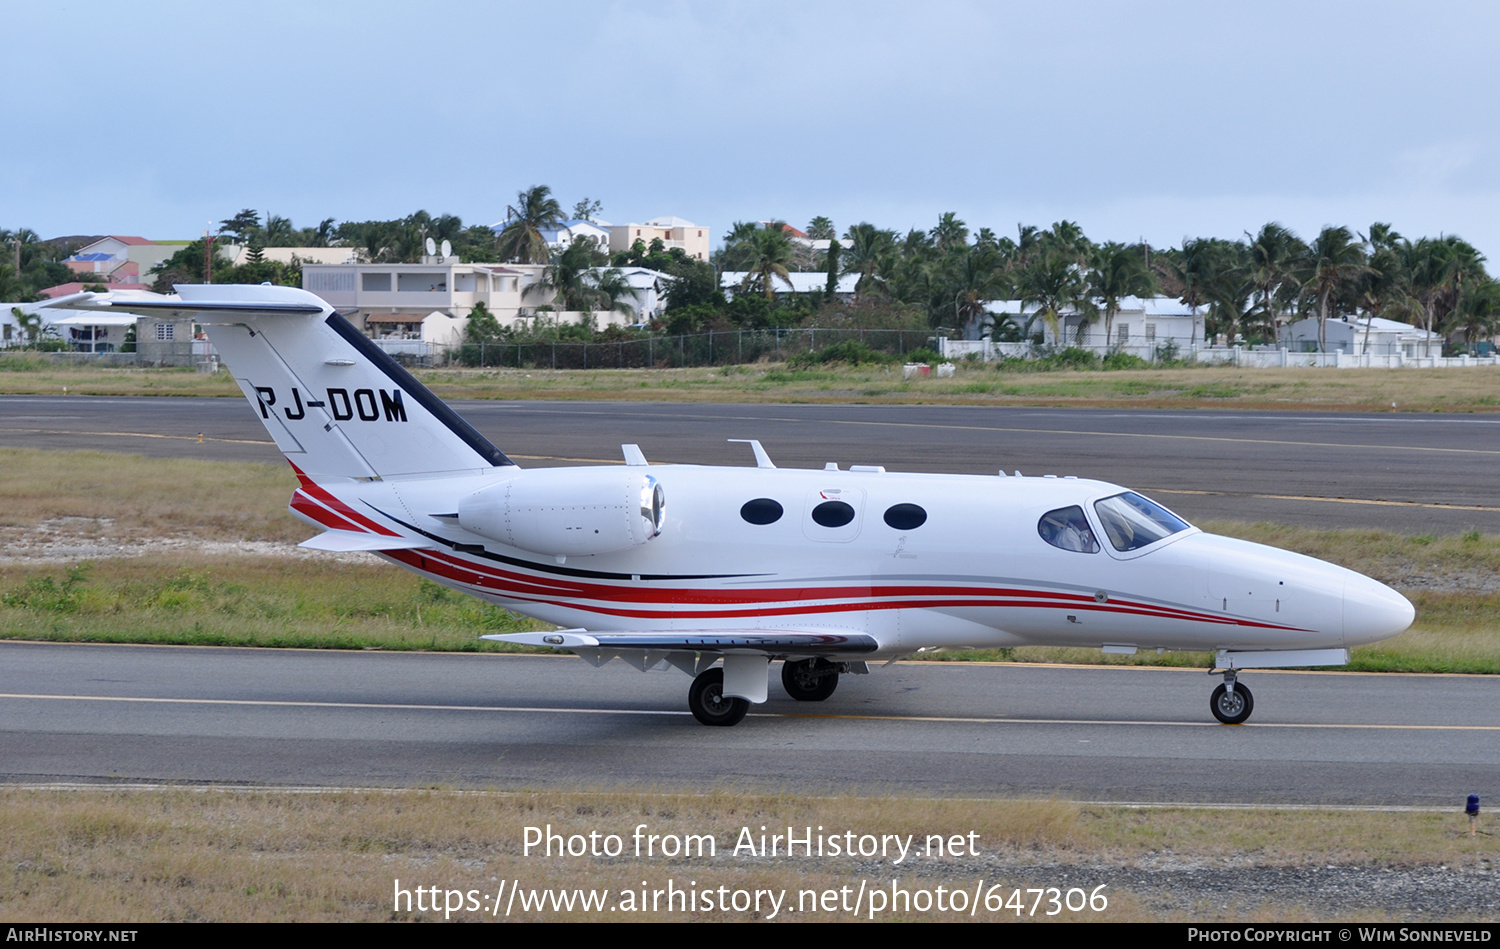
x: 1231, y: 702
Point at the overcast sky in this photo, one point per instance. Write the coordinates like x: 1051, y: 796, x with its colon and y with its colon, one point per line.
x: 1161, y: 120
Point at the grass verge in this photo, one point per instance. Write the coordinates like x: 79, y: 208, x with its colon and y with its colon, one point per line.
x: 185, y: 855
x: 1408, y: 390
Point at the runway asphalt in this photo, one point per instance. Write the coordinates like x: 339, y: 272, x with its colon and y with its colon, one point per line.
x: 1414, y: 474
x: 129, y: 713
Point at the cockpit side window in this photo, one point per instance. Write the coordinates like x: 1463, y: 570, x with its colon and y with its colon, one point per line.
x: 1132, y: 522
x: 1068, y: 529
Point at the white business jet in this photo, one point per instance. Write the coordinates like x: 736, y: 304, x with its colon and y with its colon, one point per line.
x: 719, y: 572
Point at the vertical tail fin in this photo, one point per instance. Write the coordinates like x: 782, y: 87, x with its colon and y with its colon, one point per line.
x: 336, y: 405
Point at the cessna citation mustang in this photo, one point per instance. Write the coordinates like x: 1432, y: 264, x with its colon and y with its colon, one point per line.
x: 825, y: 570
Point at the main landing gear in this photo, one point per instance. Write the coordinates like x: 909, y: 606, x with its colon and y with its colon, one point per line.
x: 809, y: 680
x: 708, y: 703
x: 1231, y: 702
x: 806, y: 680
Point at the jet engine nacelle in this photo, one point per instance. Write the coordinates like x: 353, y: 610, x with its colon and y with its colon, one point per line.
x: 567, y: 511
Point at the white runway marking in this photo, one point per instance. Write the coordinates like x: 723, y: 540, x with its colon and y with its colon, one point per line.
x: 943, y: 719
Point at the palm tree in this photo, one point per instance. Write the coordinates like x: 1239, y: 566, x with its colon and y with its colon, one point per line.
x: 566, y: 275
x: 611, y: 291
x: 950, y: 233
x: 1054, y: 283
x: 1440, y: 268
x: 521, y: 240
x: 771, y: 251
x: 1196, y: 267
x: 1337, y: 260
x: 820, y: 228
x: 977, y: 280
x: 1476, y: 313
x: 1387, y: 288
x: 1118, y: 271
x: 1274, y: 253
x: 869, y: 252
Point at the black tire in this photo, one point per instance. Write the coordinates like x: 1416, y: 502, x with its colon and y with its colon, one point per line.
x: 708, y: 704
x: 1231, y: 709
x: 809, y: 680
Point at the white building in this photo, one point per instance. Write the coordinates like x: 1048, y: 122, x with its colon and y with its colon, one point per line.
x: 1141, y: 327
x: 730, y: 281
x: 1349, y: 335
x: 403, y: 305
x: 428, y: 302
x: 560, y: 238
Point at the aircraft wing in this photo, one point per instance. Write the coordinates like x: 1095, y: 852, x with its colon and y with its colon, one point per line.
x: 773, y: 642
x: 746, y: 652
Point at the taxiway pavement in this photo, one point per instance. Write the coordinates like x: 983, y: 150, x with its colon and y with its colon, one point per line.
x: 95, y: 713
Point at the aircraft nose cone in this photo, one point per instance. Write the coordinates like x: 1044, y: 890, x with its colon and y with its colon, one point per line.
x: 1373, y: 611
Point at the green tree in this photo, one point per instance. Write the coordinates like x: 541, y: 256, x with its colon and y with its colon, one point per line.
x: 587, y: 210
x: 1118, y: 271
x: 521, y: 240
x: 482, y: 327
x: 1274, y: 253
x: 241, y: 226
x: 567, y: 275
x: 869, y: 252
x: 1336, y: 260
x: 1052, y: 284
x: 770, y: 253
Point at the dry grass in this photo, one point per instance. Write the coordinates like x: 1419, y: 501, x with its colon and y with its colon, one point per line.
x: 179, y: 855
x: 1412, y: 390
x: 131, y: 498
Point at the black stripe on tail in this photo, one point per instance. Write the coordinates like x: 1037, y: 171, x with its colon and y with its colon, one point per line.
x: 409, y: 384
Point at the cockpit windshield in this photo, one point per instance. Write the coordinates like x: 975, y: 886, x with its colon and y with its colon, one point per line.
x: 1132, y: 522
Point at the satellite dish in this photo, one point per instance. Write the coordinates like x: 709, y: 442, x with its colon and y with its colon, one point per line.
x: 431, y: 247
x: 447, y: 249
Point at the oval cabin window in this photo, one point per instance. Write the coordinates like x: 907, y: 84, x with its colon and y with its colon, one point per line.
x: 905, y: 517
x: 761, y: 511
x: 832, y: 514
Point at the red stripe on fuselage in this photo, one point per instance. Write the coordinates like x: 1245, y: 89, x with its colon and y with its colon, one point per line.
x: 775, y: 602
x: 321, y: 514
x: 318, y: 492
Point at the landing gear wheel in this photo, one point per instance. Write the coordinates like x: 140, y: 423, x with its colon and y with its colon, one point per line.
x: 708, y: 703
x: 809, y: 680
x: 1232, y: 708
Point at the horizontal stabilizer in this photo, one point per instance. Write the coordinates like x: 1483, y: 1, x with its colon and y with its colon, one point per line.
x: 211, y: 303
x: 347, y: 541
x: 770, y: 642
